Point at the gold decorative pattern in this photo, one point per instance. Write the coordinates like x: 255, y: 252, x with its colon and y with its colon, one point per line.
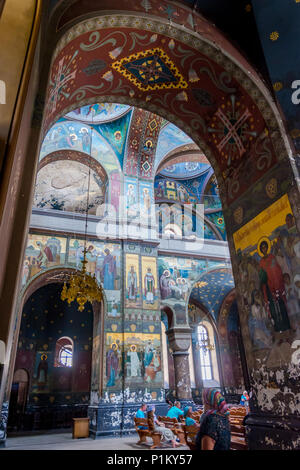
x: 155, y: 72
x: 274, y: 35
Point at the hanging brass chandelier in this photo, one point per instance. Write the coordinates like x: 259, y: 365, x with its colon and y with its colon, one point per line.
x: 81, y: 285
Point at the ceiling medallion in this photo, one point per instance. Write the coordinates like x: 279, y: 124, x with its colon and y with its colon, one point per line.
x: 232, y: 128
x: 150, y: 70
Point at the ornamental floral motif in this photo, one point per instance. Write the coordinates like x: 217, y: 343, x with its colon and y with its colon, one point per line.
x: 150, y: 70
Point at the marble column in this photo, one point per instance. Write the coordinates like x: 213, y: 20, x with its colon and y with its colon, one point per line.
x: 180, y: 340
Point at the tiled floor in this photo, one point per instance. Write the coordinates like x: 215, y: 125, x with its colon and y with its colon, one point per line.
x: 64, y: 441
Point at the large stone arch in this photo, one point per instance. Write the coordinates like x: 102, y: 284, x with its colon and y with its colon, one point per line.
x: 58, y: 275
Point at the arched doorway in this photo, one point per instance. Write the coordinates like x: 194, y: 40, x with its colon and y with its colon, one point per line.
x: 55, y: 352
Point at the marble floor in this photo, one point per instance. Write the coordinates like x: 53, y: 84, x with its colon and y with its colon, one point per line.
x: 64, y: 441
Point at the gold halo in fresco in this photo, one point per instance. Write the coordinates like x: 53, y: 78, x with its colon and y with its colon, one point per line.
x: 263, y: 239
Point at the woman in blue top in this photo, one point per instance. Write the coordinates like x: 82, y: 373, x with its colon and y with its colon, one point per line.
x: 244, y: 401
x: 175, y: 411
x: 214, y: 432
x: 141, y: 414
x: 189, y: 421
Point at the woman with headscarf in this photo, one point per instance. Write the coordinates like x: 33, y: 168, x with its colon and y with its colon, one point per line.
x: 157, y: 426
x: 214, y: 432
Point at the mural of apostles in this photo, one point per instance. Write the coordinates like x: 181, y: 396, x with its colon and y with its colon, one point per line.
x: 42, y: 252
x: 270, y: 271
x: 102, y: 260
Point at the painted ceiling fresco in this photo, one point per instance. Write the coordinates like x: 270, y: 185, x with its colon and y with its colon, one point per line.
x: 279, y: 32
x: 170, y: 138
x: 134, y: 139
x: 176, y: 76
x: 71, y: 135
x: 185, y: 170
x: 63, y: 185
x: 211, y: 289
x: 99, y: 112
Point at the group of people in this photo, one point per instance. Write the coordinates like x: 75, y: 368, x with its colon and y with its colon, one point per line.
x: 214, y: 427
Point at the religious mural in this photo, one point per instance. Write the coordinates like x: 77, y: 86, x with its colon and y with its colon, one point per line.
x: 169, y: 138
x: 114, y: 359
x: 41, y: 375
x: 132, y: 281
x: 268, y: 248
x: 149, y: 283
x: 177, y: 276
x: 142, y: 354
x: 99, y: 112
x: 132, y: 198
x: 146, y: 199
x: 72, y: 135
x: 42, y: 252
x: 63, y: 185
x: 103, y: 260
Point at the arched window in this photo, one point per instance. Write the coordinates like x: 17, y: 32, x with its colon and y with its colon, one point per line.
x: 205, y: 357
x: 64, y: 352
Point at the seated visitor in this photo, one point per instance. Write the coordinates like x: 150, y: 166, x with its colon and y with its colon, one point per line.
x: 141, y: 413
x: 189, y: 421
x: 214, y: 432
x: 175, y: 411
x: 244, y: 401
x: 157, y: 426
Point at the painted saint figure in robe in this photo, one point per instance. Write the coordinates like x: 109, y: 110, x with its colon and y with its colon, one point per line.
x: 149, y: 286
x: 42, y: 372
x: 86, y: 140
x: 148, y: 356
x: 132, y: 284
x: 153, y: 367
x: 271, y: 278
x: 135, y: 363
x: 165, y: 289
x: 112, y: 365
x: 109, y: 270
x: 258, y: 323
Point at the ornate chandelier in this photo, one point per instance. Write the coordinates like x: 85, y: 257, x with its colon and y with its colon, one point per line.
x: 82, y: 286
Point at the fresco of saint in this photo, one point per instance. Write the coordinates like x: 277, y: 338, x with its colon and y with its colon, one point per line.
x: 112, y: 365
x: 132, y: 284
x: 109, y: 270
x: 149, y: 286
x: 271, y: 278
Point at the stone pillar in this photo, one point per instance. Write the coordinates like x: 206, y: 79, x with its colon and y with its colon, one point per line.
x: 180, y: 340
x: 19, y: 162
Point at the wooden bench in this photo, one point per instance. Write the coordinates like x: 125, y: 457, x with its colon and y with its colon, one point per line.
x: 144, y: 433
x: 238, y: 443
x: 196, y: 415
x: 190, y: 433
x: 175, y: 426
